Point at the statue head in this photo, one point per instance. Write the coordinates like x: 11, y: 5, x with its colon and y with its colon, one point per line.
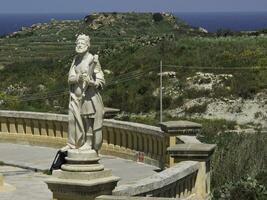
x: 82, y: 43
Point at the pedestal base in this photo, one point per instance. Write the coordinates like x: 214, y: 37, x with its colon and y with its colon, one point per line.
x: 82, y: 177
x: 81, y: 185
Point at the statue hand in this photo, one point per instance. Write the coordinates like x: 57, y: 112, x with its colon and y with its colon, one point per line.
x: 84, y: 78
x: 91, y: 82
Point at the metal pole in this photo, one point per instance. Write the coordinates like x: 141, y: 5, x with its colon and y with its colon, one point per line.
x: 161, y: 91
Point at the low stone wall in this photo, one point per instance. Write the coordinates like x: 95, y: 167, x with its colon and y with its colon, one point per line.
x: 135, y: 141
x: 34, y: 128
x: 177, y: 181
x: 128, y: 140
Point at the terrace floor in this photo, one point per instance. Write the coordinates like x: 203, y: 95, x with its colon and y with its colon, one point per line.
x: 20, y: 163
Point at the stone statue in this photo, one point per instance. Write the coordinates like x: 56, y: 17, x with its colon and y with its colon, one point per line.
x: 81, y: 176
x: 86, y: 108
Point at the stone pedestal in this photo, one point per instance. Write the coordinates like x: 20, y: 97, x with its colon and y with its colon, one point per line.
x: 1, y: 180
x: 176, y: 131
x: 196, y: 152
x: 82, y: 177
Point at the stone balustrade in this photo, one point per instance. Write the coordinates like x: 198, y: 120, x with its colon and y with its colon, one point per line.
x: 186, y: 176
x: 129, y: 140
x: 178, y: 181
x: 34, y: 128
x: 134, y: 141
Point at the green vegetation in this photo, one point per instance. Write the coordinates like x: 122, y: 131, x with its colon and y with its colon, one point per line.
x: 131, y: 47
x: 239, y: 163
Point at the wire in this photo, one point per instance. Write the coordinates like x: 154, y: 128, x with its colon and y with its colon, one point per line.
x: 118, y: 79
x: 122, y: 78
x: 220, y: 68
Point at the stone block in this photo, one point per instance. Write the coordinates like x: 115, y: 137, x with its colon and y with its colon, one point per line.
x: 82, y: 177
x: 180, y: 127
x: 191, y: 151
x: 77, y: 187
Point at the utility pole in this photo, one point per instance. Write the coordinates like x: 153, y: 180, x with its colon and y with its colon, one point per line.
x: 160, y: 91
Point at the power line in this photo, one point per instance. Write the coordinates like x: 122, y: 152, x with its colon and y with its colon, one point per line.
x: 131, y: 76
x: 137, y: 74
x: 219, y: 68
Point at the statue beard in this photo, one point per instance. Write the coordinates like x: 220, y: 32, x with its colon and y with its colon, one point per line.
x: 80, y: 50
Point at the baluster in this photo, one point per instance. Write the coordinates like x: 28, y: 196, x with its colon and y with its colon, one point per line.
x: 105, y: 135
x: 130, y: 141
x: 145, y: 144
x: 4, y: 125
x: 187, y: 191
x: 58, y: 129
x: 123, y: 139
x: 105, y: 138
x: 181, y: 189
x: 50, y: 128
x: 118, y: 139
x: 36, y: 129
x: 177, y: 190
x: 12, y: 126
x: 134, y: 141
x: 150, y: 146
x: 112, y: 139
x: 20, y: 126
x: 28, y: 126
x: 140, y: 142
x: 65, y: 130
x: 193, y: 182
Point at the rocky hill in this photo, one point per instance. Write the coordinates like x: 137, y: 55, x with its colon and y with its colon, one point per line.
x: 204, y: 75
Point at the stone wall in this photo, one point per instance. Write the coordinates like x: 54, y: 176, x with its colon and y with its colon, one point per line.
x: 172, y: 145
x: 135, y: 141
x: 177, y: 181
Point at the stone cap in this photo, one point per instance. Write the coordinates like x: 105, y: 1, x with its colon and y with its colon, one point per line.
x: 158, y: 181
x: 110, y: 112
x: 180, y: 127
x: 197, y: 151
x: 112, y: 197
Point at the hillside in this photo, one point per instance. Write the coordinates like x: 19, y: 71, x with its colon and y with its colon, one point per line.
x: 33, y: 60
x: 204, y: 70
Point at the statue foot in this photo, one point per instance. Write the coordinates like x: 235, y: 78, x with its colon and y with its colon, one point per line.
x: 86, y: 146
x: 65, y: 148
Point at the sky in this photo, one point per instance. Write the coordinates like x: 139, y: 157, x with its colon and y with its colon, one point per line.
x: 86, y: 6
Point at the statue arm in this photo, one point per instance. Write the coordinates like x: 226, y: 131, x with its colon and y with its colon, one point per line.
x: 99, y: 75
x: 73, y: 78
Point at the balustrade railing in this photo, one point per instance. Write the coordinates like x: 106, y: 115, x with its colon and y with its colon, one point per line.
x: 165, y: 146
x: 129, y: 140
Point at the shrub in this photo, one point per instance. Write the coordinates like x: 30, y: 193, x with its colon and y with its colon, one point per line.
x: 198, y: 108
x: 157, y: 17
x: 245, y: 189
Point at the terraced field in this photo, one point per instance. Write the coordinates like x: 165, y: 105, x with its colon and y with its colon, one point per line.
x: 55, y: 40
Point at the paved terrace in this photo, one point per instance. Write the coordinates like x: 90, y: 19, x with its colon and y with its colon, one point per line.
x: 20, y: 161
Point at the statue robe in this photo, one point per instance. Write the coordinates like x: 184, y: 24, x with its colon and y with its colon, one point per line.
x: 89, y: 104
